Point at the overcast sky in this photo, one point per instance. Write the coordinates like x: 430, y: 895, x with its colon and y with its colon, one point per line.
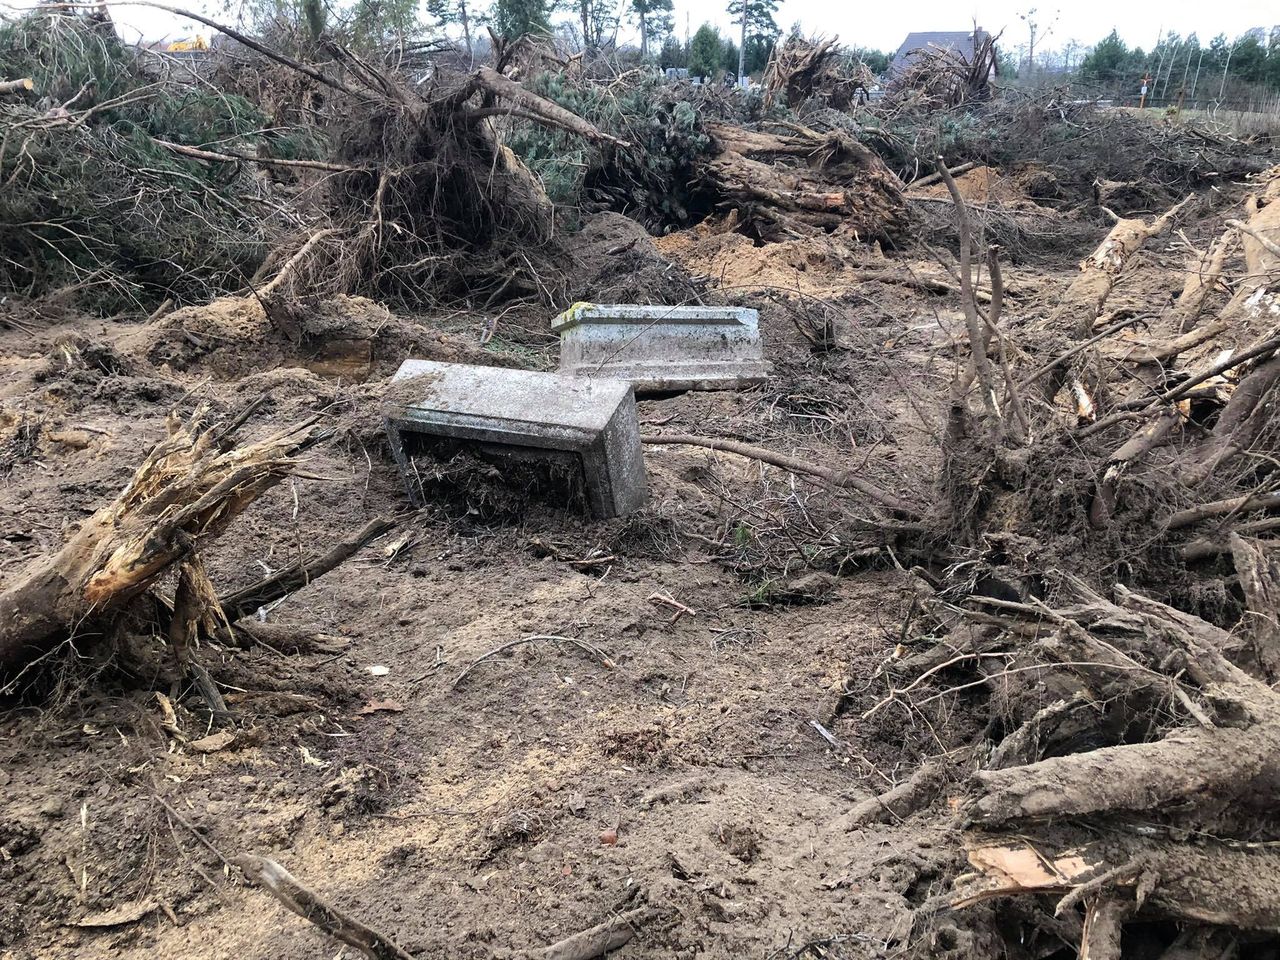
x: 884, y: 25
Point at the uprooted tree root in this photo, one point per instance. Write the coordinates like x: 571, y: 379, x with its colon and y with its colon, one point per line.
x: 1129, y: 755
x: 1130, y: 769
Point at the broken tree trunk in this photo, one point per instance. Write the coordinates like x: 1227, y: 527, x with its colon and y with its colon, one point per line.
x: 1252, y: 311
x: 186, y: 492
x: 1253, y: 307
x: 1082, y: 302
x: 1204, y: 275
x: 802, y: 183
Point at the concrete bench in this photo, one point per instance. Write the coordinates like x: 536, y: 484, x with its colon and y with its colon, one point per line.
x: 589, y: 424
x: 660, y: 348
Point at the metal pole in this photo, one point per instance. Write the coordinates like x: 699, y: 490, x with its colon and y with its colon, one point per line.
x: 742, y: 47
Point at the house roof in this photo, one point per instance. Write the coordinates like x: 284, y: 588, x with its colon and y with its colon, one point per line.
x: 962, y: 41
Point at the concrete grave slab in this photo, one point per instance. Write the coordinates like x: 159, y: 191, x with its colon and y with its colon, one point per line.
x: 662, y: 348
x: 590, y: 425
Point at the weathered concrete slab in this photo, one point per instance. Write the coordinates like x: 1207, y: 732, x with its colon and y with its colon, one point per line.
x: 662, y: 348
x: 520, y: 413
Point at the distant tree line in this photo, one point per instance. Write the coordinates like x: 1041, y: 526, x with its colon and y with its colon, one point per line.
x: 1176, y: 68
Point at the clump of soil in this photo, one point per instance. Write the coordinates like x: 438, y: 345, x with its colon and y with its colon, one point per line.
x: 618, y: 262
x: 737, y: 265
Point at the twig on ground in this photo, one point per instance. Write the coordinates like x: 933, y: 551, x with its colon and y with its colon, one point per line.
x: 583, y: 645
x: 667, y: 600
x: 837, y: 478
x: 297, y: 575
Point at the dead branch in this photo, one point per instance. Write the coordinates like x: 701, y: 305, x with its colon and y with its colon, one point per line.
x: 1200, y: 283
x: 1139, y: 445
x: 16, y: 86
x: 490, y: 81
x: 288, y: 638
x: 898, y: 803
x: 216, y: 157
x: 588, y: 648
x: 1267, y: 244
x: 298, y: 574
x: 1079, y: 348
x: 1207, y: 547
x: 281, y: 884
x: 1244, y: 417
x: 932, y: 178
x: 600, y: 939
x: 979, y: 340
x: 1169, y: 350
x: 291, y: 265
x: 918, y: 282
x: 1244, y: 503
x: 1013, y: 396
x: 837, y: 478
x: 1229, y: 362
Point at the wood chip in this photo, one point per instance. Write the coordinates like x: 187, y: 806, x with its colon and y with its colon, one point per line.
x: 214, y: 742
x: 118, y: 916
x: 381, y: 706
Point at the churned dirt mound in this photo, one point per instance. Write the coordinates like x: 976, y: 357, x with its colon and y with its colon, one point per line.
x: 982, y: 184
x: 736, y: 263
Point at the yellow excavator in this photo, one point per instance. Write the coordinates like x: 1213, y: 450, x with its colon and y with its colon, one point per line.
x: 191, y: 43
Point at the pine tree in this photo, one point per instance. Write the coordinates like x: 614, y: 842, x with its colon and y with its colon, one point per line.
x: 654, y: 18
x: 599, y: 23
x: 673, y: 54
x: 514, y: 19
x: 705, y: 52
x: 761, y: 30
